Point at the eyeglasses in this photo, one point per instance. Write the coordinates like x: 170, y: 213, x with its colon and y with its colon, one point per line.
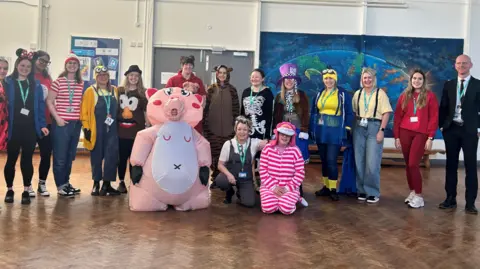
x: 328, y: 71
x: 43, y: 61
x: 99, y: 69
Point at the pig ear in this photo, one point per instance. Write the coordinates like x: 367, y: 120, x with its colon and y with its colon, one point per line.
x: 150, y: 92
x: 199, y: 98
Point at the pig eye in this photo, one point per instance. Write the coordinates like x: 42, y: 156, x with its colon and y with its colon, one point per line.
x: 168, y: 91
x: 185, y: 93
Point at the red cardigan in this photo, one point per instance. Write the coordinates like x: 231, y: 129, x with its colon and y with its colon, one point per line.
x: 178, y: 80
x: 427, y: 116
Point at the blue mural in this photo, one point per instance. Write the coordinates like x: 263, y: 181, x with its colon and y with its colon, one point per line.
x: 393, y: 58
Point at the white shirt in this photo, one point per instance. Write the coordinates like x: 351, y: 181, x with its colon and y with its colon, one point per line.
x: 458, y: 114
x: 225, y: 153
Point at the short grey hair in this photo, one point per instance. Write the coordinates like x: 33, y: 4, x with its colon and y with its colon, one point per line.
x: 243, y: 120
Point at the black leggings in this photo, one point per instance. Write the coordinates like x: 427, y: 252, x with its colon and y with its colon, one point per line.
x: 125, y: 149
x: 45, y: 145
x: 27, y: 144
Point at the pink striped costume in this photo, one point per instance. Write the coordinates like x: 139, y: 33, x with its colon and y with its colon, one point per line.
x: 284, y: 170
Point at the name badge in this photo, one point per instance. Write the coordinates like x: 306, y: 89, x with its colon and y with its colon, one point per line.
x: 413, y: 119
x: 109, y: 121
x: 320, y: 121
x: 363, y: 122
x: 70, y: 109
x: 24, y: 111
x: 242, y: 175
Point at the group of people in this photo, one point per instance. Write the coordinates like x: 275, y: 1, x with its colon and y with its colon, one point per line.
x: 258, y: 131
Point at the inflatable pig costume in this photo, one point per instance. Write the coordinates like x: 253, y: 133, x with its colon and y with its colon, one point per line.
x: 171, y: 159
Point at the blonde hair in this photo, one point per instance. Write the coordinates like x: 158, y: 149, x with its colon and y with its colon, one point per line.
x: 140, y: 87
x: 408, y: 92
x: 371, y: 72
x: 296, y: 97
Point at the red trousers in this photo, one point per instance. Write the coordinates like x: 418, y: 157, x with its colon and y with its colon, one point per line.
x: 413, y: 148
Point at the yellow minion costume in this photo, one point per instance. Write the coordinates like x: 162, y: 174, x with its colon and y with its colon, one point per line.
x: 331, y: 117
x: 98, y: 116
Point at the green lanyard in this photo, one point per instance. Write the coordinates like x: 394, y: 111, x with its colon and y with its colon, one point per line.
x: 414, y: 107
x: 325, y: 99
x: 108, y: 100
x: 251, y: 93
x: 462, y: 93
x: 71, y: 92
x: 242, y: 153
x: 23, y: 93
x: 365, y: 103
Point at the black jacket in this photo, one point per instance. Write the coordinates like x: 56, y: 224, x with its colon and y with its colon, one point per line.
x: 470, y: 106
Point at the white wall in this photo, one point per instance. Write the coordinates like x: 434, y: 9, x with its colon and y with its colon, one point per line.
x: 233, y: 24
x: 311, y: 18
x: 19, y: 27
x: 228, y: 24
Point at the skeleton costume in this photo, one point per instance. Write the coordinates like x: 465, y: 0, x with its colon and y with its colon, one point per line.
x: 221, y: 110
x: 258, y: 107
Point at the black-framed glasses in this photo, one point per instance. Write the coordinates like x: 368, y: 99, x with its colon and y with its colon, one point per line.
x: 99, y: 69
x: 43, y: 61
x: 328, y: 71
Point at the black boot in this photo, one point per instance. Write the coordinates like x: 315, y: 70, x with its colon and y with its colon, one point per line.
x: 96, y: 188
x: 323, y: 192
x: 334, y: 195
x: 228, y: 196
x: 25, y: 198
x: 108, y: 190
x: 121, y: 187
x: 449, y: 203
x: 9, y: 196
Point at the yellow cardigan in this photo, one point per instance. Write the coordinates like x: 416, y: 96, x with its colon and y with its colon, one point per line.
x: 87, y: 114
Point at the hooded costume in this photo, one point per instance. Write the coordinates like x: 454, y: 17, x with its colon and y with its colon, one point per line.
x: 221, y: 110
x: 281, y: 171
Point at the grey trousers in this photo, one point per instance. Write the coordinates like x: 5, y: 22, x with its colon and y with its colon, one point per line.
x: 245, y: 189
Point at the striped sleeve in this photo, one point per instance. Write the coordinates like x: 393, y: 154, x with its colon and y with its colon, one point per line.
x: 265, y: 178
x: 55, y: 86
x: 299, y: 174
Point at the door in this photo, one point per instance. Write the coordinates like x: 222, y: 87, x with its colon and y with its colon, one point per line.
x: 166, y: 64
x: 241, y: 62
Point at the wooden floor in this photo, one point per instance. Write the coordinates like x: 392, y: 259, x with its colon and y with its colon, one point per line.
x: 101, y: 232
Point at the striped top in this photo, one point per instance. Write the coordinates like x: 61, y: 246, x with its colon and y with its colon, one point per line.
x: 65, y: 110
x: 281, y: 169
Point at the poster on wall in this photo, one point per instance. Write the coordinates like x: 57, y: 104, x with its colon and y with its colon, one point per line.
x: 94, y: 51
x: 394, y: 58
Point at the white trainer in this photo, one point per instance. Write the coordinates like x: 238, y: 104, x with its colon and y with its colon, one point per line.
x: 416, y: 202
x: 410, y: 197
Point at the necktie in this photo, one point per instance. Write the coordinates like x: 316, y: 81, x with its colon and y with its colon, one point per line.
x: 462, y: 89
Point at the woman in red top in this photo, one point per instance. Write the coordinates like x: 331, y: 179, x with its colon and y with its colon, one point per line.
x: 44, y: 143
x: 3, y: 105
x: 187, y: 80
x: 415, y: 124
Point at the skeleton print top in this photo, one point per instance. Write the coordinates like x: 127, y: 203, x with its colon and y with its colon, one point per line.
x: 258, y: 107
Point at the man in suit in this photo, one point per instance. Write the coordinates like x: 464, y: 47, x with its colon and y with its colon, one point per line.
x: 459, y: 121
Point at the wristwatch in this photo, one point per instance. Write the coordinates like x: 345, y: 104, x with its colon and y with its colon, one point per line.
x: 382, y: 129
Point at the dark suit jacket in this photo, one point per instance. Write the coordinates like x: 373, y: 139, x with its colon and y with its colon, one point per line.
x: 470, y: 106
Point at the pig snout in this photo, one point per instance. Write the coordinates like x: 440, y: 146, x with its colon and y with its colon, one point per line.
x: 174, y: 108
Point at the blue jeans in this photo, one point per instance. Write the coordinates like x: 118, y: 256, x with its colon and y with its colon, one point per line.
x: 328, y: 155
x: 65, y: 142
x: 368, y: 158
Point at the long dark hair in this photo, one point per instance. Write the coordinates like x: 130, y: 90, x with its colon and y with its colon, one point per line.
x: 39, y: 54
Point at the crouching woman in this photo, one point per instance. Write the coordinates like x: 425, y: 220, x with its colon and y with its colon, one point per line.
x: 282, y: 171
x: 236, y: 163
